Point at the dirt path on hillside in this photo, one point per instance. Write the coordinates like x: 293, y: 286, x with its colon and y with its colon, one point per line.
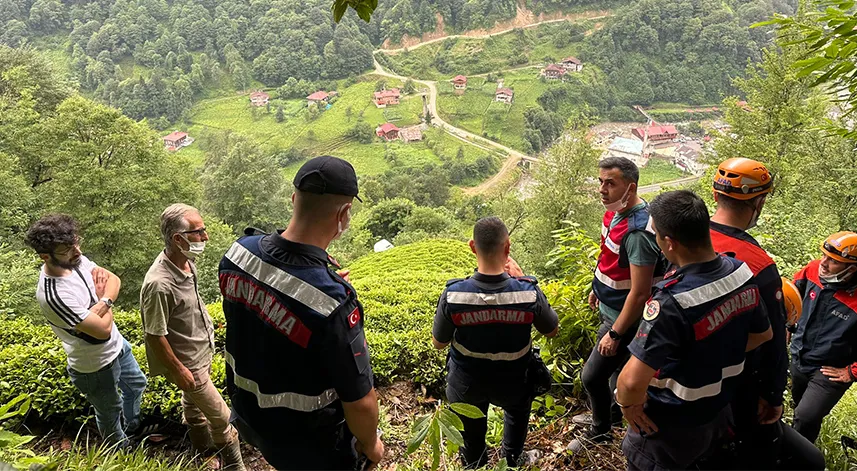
x: 523, y: 20
x: 437, y: 121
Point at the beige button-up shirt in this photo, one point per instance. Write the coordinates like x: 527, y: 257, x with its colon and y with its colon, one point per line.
x: 171, y: 307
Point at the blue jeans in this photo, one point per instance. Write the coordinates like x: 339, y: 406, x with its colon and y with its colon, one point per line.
x: 116, y: 412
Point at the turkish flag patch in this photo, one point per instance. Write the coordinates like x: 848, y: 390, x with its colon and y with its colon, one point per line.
x: 354, y: 317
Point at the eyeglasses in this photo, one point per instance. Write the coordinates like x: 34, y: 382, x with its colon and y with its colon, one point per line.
x: 76, y: 244
x: 200, y: 232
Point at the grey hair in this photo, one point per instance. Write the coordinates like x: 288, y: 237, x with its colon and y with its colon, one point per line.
x: 173, y: 221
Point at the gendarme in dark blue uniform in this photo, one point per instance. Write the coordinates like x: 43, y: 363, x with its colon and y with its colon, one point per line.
x: 489, y: 319
x: 694, y: 333
x: 295, y: 349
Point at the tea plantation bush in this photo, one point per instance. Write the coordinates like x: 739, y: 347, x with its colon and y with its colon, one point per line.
x: 398, y: 288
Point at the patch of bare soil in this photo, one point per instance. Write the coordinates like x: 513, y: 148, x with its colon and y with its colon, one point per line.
x: 524, y: 18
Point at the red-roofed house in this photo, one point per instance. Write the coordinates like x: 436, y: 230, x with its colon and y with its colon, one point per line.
x: 572, y: 64
x: 459, y: 82
x: 259, y: 98
x: 176, y: 140
x: 553, y: 72
x: 318, y: 97
x: 387, y: 131
x: 387, y: 97
x: 504, y: 95
x: 656, y: 133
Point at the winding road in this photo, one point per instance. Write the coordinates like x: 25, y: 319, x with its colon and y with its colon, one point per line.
x: 514, y: 156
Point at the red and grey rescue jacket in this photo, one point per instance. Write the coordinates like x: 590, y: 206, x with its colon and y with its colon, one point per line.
x: 768, y: 363
x: 612, y: 281
x: 827, y: 331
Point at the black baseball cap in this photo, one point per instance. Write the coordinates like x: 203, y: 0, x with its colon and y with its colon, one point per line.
x: 327, y: 175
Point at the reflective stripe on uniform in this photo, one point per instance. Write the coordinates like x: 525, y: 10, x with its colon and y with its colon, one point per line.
x: 618, y: 285
x: 692, y: 394
x: 289, y: 400
x: 281, y: 281
x: 716, y: 289
x: 604, y: 231
x: 503, y: 356
x: 613, y: 246
x: 490, y: 299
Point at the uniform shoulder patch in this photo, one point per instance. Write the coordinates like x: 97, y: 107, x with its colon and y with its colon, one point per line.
x: 653, y: 308
x: 528, y: 279
x: 454, y: 281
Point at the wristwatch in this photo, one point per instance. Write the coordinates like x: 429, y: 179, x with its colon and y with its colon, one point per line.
x: 107, y: 301
x: 614, y: 335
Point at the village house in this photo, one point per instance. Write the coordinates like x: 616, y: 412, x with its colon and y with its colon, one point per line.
x: 387, y: 131
x: 631, y: 149
x: 571, y: 64
x: 410, y: 134
x: 176, y: 140
x: 504, y: 95
x: 553, y: 72
x: 259, y: 98
x: 387, y: 97
x: 656, y: 133
x: 459, y: 82
x: 319, y: 97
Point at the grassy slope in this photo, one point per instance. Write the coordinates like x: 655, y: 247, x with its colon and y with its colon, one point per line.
x: 477, y: 112
x: 326, y: 134
x: 658, y: 170
x: 476, y: 56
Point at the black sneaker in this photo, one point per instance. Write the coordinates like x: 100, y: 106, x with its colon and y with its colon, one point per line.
x: 148, y: 426
x: 587, y: 439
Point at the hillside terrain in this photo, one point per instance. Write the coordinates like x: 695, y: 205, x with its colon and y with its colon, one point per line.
x: 111, y: 110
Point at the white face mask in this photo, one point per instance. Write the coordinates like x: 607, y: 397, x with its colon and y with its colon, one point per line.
x: 619, y: 205
x: 757, y: 211
x: 840, y: 277
x: 194, y: 250
x: 341, y: 228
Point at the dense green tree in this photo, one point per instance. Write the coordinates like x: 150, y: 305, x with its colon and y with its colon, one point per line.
x: 362, y: 132
x: 387, y: 218
x: 563, y: 192
x: 241, y: 184
x: 107, y: 172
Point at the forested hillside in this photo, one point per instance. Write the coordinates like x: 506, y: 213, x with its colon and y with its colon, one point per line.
x: 680, y: 51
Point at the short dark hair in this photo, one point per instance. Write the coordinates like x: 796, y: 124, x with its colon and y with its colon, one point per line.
x: 489, y: 234
x: 734, y: 204
x: 682, y: 216
x: 50, y: 231
x: 629, y: 169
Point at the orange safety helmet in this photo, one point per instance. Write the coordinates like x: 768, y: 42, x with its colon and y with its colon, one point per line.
x: 792, y: 301
x: 841, y: 247
x: 742, y: 179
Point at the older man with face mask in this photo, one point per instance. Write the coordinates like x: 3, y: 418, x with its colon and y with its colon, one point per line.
x: 298, y: 370
x: 180, y: 334
x: 824, y: 346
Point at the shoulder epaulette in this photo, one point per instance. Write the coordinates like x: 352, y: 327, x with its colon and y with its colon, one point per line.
x: 528, y: 279
x: 454, y: 281
x: 253, y: 231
